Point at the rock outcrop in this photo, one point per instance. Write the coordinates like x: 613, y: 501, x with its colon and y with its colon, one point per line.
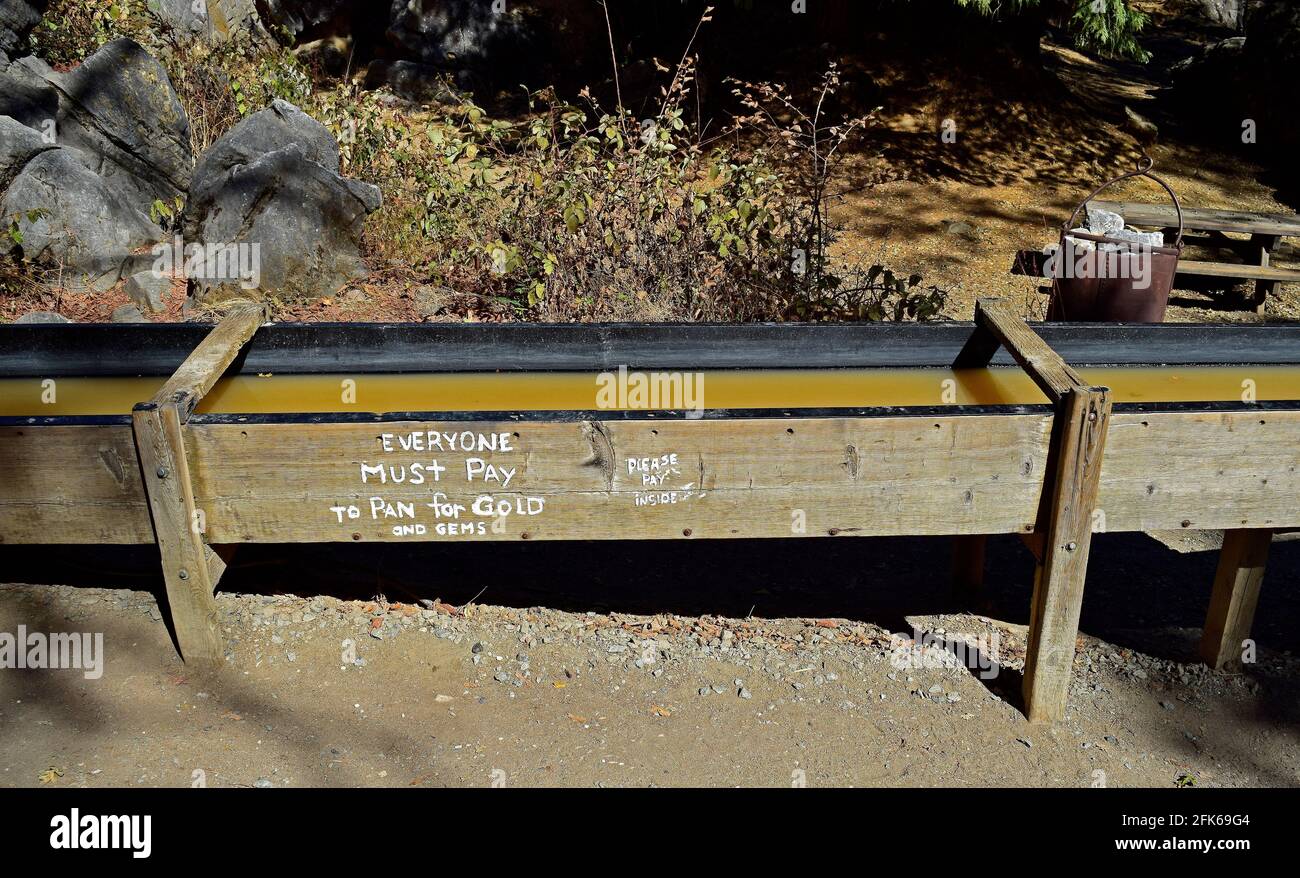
x: 461, y: 33
x: 296, y: 18
x: 269, y: 195
x: 119, y: 111
x: 1226, y: 13
x: 70, y: 221
x: 85, y: 154
x: 17, y: 18
x: 216, y: 20
x: 1245, y: 86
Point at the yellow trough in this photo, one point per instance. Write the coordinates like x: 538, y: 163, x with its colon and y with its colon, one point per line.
x: 370, y: 432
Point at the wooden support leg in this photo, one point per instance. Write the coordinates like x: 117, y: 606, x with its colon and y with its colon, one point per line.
x: 189, y: 566
x: 1079, y: 440
x: 968, y: 568
x: 1263, y: 246
x: 1236, y: 592
x: 1063, y: 533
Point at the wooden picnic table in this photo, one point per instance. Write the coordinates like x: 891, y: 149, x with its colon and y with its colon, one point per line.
x: 1266, y: 232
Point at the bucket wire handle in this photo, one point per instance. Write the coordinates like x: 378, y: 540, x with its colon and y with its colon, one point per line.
x: 1142, y: 170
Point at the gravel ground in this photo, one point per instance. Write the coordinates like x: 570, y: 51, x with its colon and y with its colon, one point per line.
x: 318, y: 691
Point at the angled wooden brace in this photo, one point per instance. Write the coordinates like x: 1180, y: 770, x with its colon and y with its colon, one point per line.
x: 1063, y: 533
x: 190, y: 567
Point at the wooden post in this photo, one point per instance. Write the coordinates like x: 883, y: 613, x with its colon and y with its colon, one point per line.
x: 1063, y: 534
x: 1263, y: 245
x: 1236, y: 592
x: 190, y: 568
x: 1079, y: 439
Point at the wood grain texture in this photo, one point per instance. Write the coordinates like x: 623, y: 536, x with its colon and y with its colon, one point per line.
x: 1071, y: 496
x: 190, y: 568
x: 1236, y: 593
x: 1162, y: 470
x: 751, y: 477
x: 187, y: 564
x: 1267, y: 273
x: 1201, y: 470
x: 1203, y: 219
x: 71, y: 484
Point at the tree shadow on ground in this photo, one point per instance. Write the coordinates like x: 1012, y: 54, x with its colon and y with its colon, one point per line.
x: 1135, y: 583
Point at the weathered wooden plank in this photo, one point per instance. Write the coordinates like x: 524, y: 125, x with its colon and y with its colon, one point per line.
x: 71, y: 484
x: 630, y: 479
x: 1265, y: 273
x: 1163, y: 470
x: 201, y: 369
x: 1080, y: 438
x: 1201, y: 471
x: 186, y: 563
x: 1204, y: 219
x: 968, y: 550
x: 190, y: 569
x: 1053, y: 376
x: 1236, y: 593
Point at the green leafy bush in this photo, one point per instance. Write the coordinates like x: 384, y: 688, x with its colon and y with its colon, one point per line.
x: 580, y: 213
x: 571, y: 211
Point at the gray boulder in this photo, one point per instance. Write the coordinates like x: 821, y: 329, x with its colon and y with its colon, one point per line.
x: 71, y: 222
x: 217, y: 20
x: 17, y: 18
x: 459, y: 33
x: 1227, y: 13
x: 26, y: 97
x: 118, y: 109
x: 42, y: 317
x: 273, y: 128
x: 18, y: 145
x: 293, y: 18
x: 271, y: 187
x: 83, y: 157
x: 147, y: 288
x: 127, y: 313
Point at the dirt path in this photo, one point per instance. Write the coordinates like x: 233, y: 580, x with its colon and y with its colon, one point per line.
x: 328, y: 692
x: 1020, y: 159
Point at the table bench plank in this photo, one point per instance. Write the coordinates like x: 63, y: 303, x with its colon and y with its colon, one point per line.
x: 1204, y: 219
x: 1234, y: 270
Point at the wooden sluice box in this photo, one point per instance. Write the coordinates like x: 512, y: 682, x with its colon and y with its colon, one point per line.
x: 194, y: 437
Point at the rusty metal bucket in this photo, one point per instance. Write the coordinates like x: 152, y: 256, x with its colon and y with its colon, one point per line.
x: 1108, y: 286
